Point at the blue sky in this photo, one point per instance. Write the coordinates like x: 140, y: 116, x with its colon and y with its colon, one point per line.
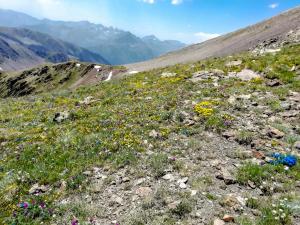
x: 187, y: 20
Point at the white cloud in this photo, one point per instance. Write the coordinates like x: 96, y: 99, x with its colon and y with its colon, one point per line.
x: 273, y: 6
x: 202, y: 36
x: 149, y: 1
x: 173, y: 2
x: 176, y: 2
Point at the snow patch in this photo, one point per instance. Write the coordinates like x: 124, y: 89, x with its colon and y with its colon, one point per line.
x: 109, y: 76
x: 133, y: 72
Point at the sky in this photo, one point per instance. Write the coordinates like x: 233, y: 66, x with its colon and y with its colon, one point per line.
x: 190, y: 21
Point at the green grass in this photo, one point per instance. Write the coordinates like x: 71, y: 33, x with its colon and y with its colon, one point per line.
x: 112, y: 132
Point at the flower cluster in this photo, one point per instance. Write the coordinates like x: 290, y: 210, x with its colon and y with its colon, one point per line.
x: 204, y: 108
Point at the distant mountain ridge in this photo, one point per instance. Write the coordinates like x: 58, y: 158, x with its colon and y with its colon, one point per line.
x: 275, y: 29
x: 115, y: 45
x: 22, y: 48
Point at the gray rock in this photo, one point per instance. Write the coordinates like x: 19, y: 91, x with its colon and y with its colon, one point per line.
x: 218, y: 222
x: 247, y: 75
x: 61, y: 116
x: 297, y: 145
x: 234, y: 63
x: 274, y: 133
x: 226, y: 176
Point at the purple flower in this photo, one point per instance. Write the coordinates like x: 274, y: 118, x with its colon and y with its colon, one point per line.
x: 24, y: 205
x: 43, y: 205
x: 74, y: 222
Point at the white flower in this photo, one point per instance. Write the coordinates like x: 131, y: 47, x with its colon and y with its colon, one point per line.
x: 274, y: 212
x: 283, y: 215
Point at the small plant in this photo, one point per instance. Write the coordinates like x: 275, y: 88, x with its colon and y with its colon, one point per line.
x: 276, y: 214
x: 158, y: 163
x: 183, y: 208
x: 252, y: 203
x: 251, y: 172
x: 244, y: 137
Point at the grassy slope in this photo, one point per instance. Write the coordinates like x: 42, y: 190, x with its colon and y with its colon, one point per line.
x: 111, y: 131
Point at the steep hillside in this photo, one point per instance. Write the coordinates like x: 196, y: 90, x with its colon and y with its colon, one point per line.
x: 202, y: 143
x: 47, y: 78
x: 242, y: 40
x: 115, y: 45
x: 23, y: 48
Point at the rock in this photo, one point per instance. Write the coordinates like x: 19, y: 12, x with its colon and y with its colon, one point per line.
x: 258, y: 155
x: 154, y: 134
x: 228, y: 218
x: 173, y: 205
x: 37, y: 189
x: 139, y: 181
x: 218, y: 222
x: 194, y: 192
x: 168, y: 74
x: 87, y: 101
x: 143, y: 191
x: 234, y: 63
x: 297, y: 145
x: 61, y: 116
x: 274, y: 133
x: 290, y: 114
x: 273, y: 83
x: 96, y: 187
x: 247, y: 75
x: 182, y: 185
x: 286, y: 105
x: 231, y: 100
x: 125, y: 179
x: 183, y: 180
x: 169, y: 177
x: 230, y: 201
x: 229, y: 134
x: 226, y: 176
x: 116, y: 200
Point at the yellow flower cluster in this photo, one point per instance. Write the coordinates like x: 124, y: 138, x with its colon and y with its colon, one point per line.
x: 204, y: 108
x: 257, y: 80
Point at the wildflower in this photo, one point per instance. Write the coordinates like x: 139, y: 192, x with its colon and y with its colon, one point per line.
x: 274, y: 212
x: 24, y: 205
x: 283, y: 215
x: 43, y: 205
x: 276, y: 218
x: 74, y: 222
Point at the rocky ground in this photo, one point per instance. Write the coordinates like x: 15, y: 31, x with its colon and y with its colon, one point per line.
x: 188, y: 144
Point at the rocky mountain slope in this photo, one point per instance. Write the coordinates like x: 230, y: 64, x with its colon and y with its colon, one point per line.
x: 115, y: 45
x: 54, y: 77
x: 23, y: 48
x: 270, y: 30
x: 186, y: 144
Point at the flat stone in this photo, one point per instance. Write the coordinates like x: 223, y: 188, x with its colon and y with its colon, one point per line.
x: 273, y: 83
x: 274, y: 133
x: 218, y: 222
x: 234, y: 63
x: 228, y: 218
x: 143, y: 191
x: 297, y: 145
x: 247, y: 75
x: 226, y: 176
x: 169, y: 177
x: 153, y: 134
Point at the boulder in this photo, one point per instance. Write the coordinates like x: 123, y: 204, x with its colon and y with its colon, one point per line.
x: 247, y: 75
x: 61, y: 116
